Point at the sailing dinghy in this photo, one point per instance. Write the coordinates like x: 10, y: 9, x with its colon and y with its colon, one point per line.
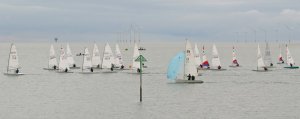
x: 63, y: 65
x: 267, y: 58
x: 118, y: 58
x: 87, y: 63
x: 108, y: 60
x: 52, y: 63
x: 215, y: 61
x: 261, y: 67
x: 205, y: 63
x: 290, y: 60
x: 186, y: 59
x: 96, y: 59
x: 13, y: 67
x: 234, y: 62
x: 71, y: 61
x: 280, y: 58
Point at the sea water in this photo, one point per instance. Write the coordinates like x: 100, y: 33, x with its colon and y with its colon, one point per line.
x: 236, y: 93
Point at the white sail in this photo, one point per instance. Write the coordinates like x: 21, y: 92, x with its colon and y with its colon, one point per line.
x: 70, y: 56
x: 87, y: 62
x: 215, y: 57
x: 267, y: 56
x: 289, y: 57
x: 197, y: 56
x: 136, y: 54
x: 108, y: 58
x: 63, y: 61
x: 260, y: 61
x: 52, y: 58
x: 189, y: 63
x: 234, y: 59
x: 13, y: 61
x: 118, y: 58
x: 96, y: 59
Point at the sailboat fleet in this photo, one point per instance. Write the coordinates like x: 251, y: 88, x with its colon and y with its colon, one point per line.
x: 185, y: 67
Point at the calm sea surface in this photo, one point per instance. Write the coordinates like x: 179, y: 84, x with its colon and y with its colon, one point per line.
x: 237, y: 93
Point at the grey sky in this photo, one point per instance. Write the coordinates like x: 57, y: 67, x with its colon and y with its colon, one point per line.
x: 157, y: 19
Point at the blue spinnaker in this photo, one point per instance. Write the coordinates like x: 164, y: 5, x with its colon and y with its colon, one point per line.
x: 175, y: 66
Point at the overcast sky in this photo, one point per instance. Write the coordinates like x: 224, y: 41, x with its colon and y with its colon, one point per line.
x: 199, y: 20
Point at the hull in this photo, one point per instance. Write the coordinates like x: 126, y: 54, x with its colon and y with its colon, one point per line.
x: 293, y: 67
x: 13, y: 74
x: 234, y: 66
x: 49, y: 69
x: 188, y: 81
x: 217, y: 69
x: 64, y: 72
x: 88, y: 72
x: 74, y: 67
x: 261, y: 70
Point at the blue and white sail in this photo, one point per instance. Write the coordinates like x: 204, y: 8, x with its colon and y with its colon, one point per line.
x: 175, y: 66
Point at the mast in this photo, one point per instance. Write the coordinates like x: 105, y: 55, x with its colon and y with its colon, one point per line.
x: 83, y: 60
x: 184, y: 60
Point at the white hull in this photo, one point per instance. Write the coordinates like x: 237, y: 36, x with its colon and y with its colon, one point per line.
x: 74, y: 67
x: 49, y: 69
x: 64, y: 72
x: 89, y: 72
x: 14, y: 74
x: 188, y: 81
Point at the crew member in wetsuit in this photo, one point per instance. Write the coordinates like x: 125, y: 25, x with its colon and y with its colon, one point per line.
x: 66, y: 70
x: 193, y: 77
x: 98, y: 66
x: 74, y: 65
x: 112, y: 67
x: 271, y: 64
x: 92, y: 70
x: 291, y: 64
x: 265, y: 68
x: 54, y: 67
x: 189, y: 77
x: 219, y: 67
x: 138, y: 70
x: 17, y: 71
x: 122, y: 67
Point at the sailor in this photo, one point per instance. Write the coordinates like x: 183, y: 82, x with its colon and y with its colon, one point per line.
x: 219, y: 67
x: 271, y: 64
x: 98, y: 66
x: 265, y: 68
x: 138, y: 70
x: 17, y: 71
x: 291, y: 64
x: 74, y: 65
x: 237, y: 64
x: 54, y: 67
x: 66, y: 70
x: 92, y: 70
x: 189, y: 77
x: 122, y: 67
x: 193, y: 77
x: 201, y: 66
